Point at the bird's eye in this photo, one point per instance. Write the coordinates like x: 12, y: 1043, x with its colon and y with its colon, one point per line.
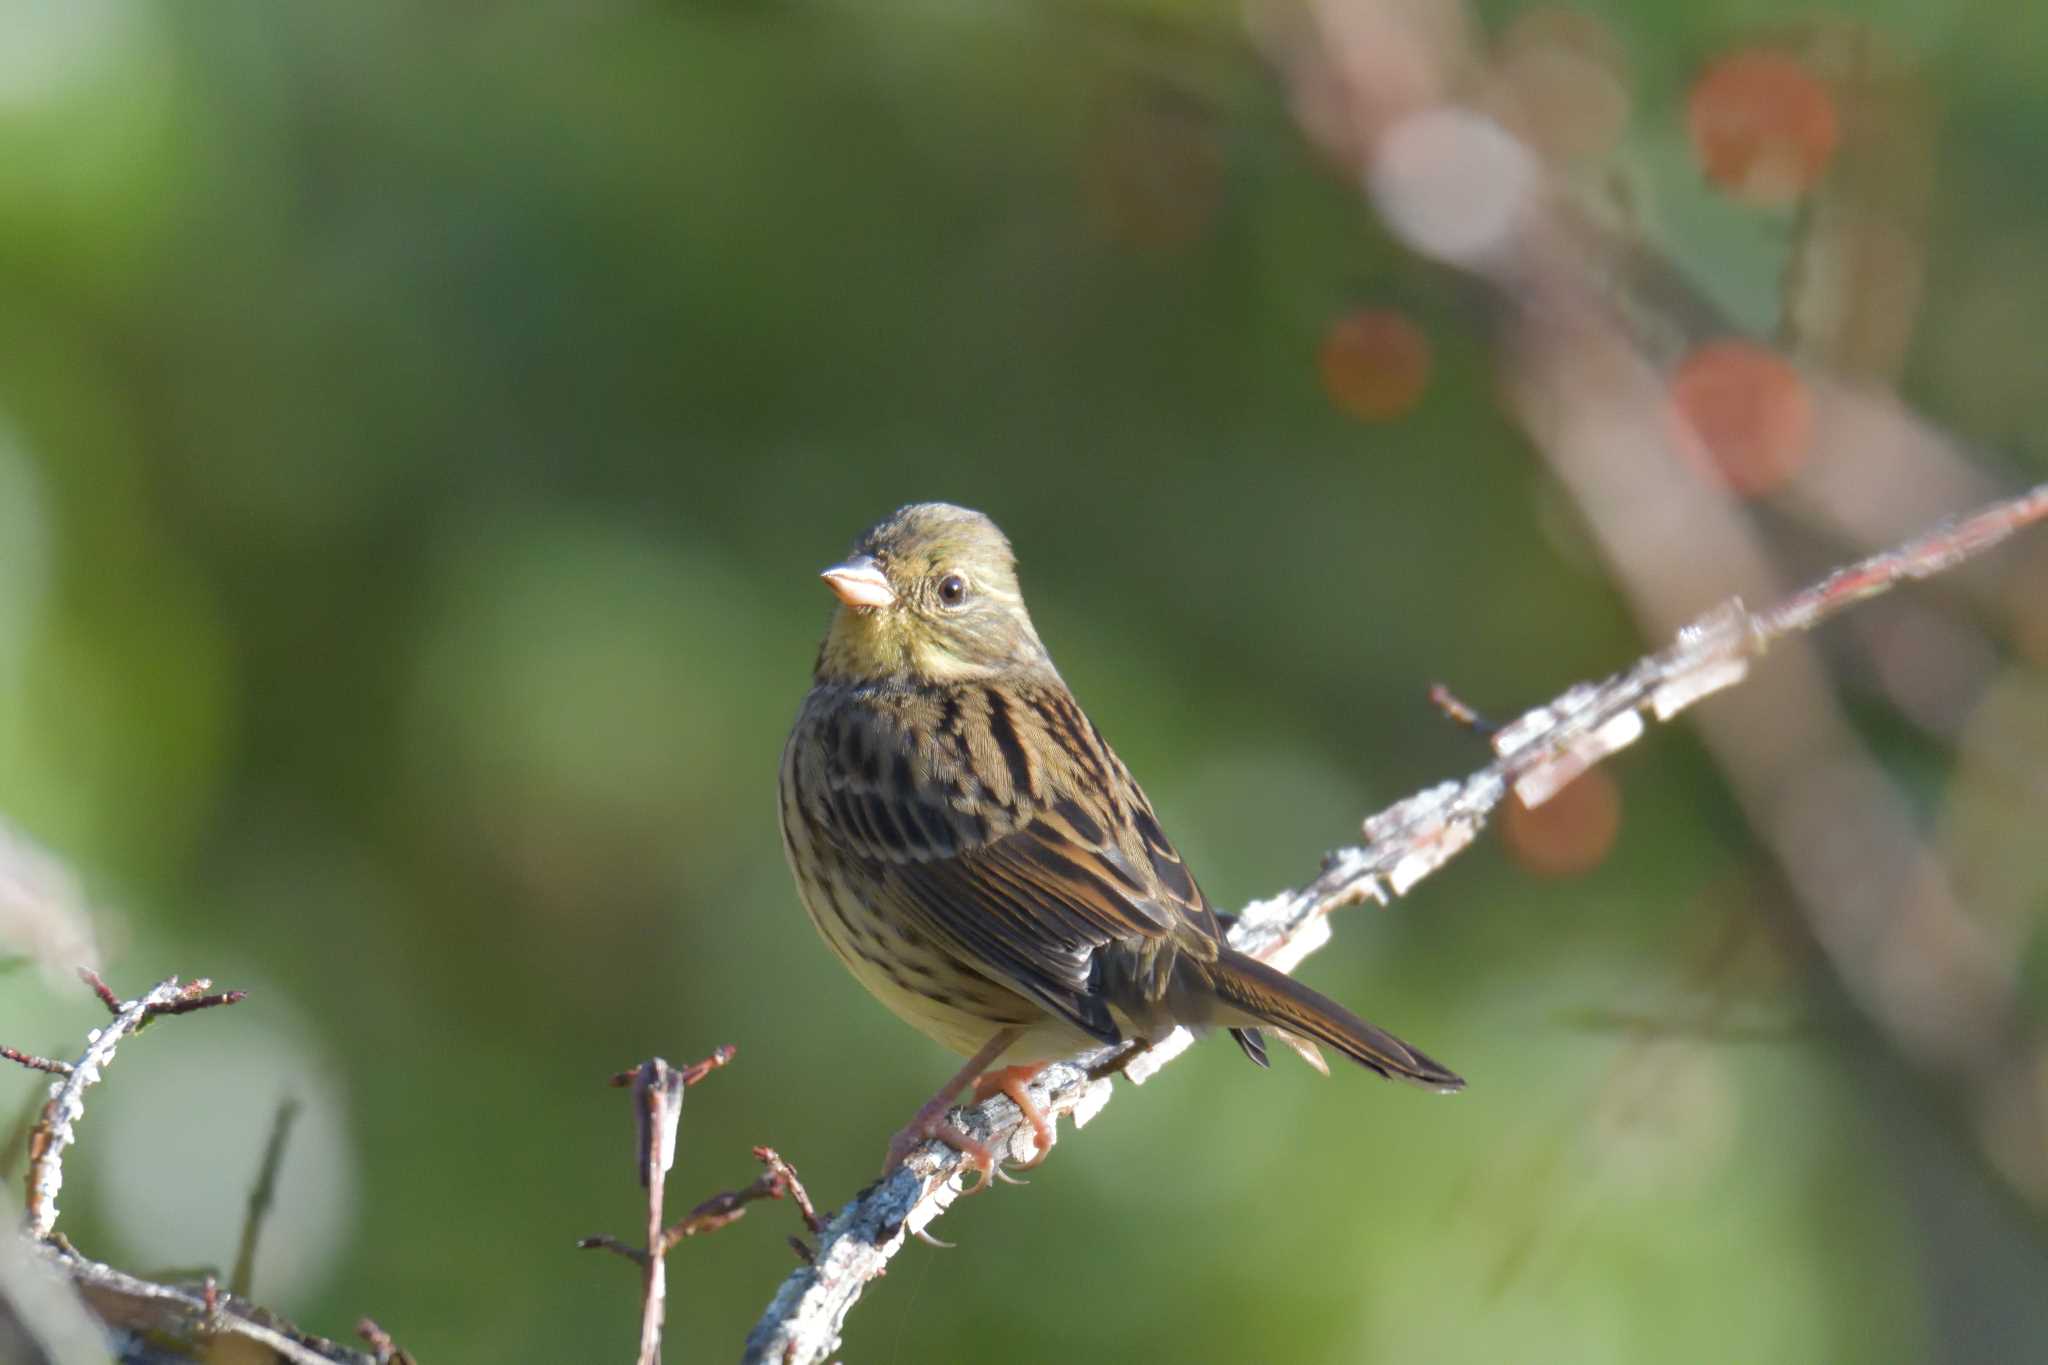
x: 952, y: 590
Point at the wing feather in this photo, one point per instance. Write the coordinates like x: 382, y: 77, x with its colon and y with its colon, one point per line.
x: 994, y: 836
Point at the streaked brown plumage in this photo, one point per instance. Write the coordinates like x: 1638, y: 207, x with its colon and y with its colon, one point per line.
x: 976, y: 854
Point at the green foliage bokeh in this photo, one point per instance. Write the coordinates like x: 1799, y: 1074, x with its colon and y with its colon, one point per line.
x: 419, y: 430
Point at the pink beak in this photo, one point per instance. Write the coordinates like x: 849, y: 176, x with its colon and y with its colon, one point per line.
x: 859, y: 582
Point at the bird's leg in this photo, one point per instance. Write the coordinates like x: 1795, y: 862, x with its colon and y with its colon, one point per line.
x: 1114, y: 1063
x: 1011, y: 1080
x: 930, y: 1121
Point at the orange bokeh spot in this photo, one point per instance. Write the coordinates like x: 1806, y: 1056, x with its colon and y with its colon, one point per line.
x: 1763, y: 126
x: 1375, y: 364
x: 1744, y: 413
x: 1569, y: 834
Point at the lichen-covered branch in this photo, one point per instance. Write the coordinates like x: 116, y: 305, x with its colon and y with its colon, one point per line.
x: 1536, y: 755
x: 56, y: 1129
x: 153, y: 1324
x: 146, y: 1322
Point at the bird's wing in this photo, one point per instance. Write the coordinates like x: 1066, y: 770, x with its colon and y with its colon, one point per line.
x: 1014, y: 837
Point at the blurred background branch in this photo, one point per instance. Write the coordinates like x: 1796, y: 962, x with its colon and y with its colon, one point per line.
x: 1629, y: 443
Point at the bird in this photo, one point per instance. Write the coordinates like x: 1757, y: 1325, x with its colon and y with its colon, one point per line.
x: 970, y: 847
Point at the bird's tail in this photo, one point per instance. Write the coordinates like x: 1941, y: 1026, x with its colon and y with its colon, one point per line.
x: 1265, y: 996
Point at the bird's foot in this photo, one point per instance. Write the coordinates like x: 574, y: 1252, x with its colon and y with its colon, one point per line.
x: 930, y: 1124
x: 932, y: 1121
x: 1010, y: 1081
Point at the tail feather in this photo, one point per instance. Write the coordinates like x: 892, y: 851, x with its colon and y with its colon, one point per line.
x: 1266, y: 996
x: 1254, y: 1046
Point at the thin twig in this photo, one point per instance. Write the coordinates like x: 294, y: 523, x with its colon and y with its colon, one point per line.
x: 691, y: 1074
x: 658, y: 1110
x: 697, y: 1071
x: 101, y: 989
x: 56, y: 1128
x: 659, y: 1096
x: 261, y: 1197
x: 720, y: 1210
x: 1457, y: 712
x: 35, y: 1063
x: 386, y: 1349
x: 185, y: 1005
x: 1536, y: 756
x: 777, y: 1166
x: 659, y: 1088
x: 140, y: 1318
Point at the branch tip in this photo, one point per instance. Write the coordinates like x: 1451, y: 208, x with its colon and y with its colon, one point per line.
x: 186, y: 1004
x: 1457, y: 712
x: 101, y: 989
x: 720, y: 1057
x: 381, y: 1344
x: 35, y: 1063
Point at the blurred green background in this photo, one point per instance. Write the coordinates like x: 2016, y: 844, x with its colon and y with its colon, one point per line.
x: 420, y: 428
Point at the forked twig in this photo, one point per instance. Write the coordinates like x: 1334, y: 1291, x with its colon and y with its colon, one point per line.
x: 657, y: 1112
x: 55, y: 1128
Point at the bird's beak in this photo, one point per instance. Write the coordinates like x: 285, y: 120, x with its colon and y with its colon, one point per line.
x: 859, y: 582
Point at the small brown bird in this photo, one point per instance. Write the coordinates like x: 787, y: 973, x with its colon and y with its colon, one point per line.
x: 980, y: 859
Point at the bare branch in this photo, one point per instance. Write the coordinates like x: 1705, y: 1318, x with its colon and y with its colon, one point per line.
x: 140, y: 1319
x: 35, y: 1063
x: 1536, y: 756
x: 56, y: 1129
x: 658, y: 1110
x: 721, y: 1210
x: 658, y: 1096
x: 187, y: 1004
x: 659, y: 1088
x: 184, y: 1322
x: 691, y: 1074
x: 777, y: 1182
x: 101, y: 989
x: 786, y: 1173
x: 1922, y: 557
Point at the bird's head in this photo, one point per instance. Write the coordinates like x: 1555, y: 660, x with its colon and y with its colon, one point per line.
x: 929, y: 594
